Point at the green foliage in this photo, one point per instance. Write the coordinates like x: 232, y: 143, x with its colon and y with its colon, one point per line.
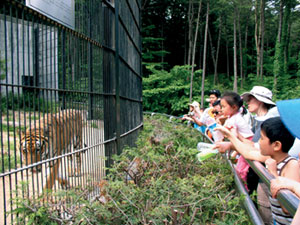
x: 9, y: 160
x: 166, y: 177
x: 152, y: 49
x: 168, y: 92
x: 298, y: 72
x: 26, y: 101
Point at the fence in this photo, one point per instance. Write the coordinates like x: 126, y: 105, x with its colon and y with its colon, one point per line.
x: 71, y: 86
x: 287, y: 199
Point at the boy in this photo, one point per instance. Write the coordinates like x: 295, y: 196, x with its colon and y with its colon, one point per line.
x: 207, y: 116
x: 274, y: 143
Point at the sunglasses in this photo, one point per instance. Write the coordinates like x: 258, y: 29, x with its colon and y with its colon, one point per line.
x: 215, y: 112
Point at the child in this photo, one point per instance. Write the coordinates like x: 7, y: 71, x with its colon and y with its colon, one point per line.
x: 231, y: 104
x: 274, y: 143
x: 285, y: 183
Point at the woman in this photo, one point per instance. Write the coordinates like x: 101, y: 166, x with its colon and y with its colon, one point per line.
x: 259, y: 101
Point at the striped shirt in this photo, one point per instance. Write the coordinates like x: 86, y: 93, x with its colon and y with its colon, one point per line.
x: 277, y: 213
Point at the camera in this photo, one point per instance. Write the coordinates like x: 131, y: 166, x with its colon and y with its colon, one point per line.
x: 191, y: 114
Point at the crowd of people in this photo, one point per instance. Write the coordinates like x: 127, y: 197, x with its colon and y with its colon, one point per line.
x: 263, y: 131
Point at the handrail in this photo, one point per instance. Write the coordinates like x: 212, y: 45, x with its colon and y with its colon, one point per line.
x: 287, y: 198
x: 247, y: 201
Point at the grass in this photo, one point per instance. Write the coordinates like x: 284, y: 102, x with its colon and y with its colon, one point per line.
x: 166, y: 178
x: 9, y: 161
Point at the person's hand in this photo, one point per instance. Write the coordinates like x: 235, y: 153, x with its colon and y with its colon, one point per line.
x: 186, y: 117
x: 222, y: 146
x: 234, y: 154
x: 222, y: 119
x: 271, y: 165
x: 226, y: 132
x: 280, y: 183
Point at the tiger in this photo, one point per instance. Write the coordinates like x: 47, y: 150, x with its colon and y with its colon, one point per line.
x: 51, y: 136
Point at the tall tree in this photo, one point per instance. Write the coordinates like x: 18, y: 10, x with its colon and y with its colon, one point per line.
x: 194, y: 48
x: 214, y: 52
x: 234, y: 54
x: 259, y: 35
x: 240, y: 43
x: 190, y: 30
x: 204, y: 54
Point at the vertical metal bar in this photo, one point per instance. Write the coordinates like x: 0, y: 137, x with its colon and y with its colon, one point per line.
x: 90, y: 69
x: 63, y: 49
x: 117, y: 69
x: 1, y: 131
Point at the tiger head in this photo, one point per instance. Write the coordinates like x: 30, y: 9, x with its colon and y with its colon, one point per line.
x: 33, y: 149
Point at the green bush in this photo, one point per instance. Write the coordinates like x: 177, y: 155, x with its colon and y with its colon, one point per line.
x: 168, y: 92
x: 168, y: 185
x: 27, y: 101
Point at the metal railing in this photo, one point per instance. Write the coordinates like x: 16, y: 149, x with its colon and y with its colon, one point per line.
x: 288, y: 199
x: 92, y: 67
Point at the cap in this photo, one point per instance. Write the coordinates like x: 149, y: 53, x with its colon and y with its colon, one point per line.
x: 290, y: 116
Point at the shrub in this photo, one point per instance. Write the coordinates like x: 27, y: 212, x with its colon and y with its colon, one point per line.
x: 158, y: 182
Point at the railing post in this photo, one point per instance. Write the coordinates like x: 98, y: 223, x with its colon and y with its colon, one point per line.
x: 117, y: 91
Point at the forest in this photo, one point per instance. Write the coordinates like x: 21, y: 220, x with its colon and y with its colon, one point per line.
x: 192, y: 46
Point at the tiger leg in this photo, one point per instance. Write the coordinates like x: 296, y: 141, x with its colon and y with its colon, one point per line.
x: 75, y: 168
x: 52, y: 175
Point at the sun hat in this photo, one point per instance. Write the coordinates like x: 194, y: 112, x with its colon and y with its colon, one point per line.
x: 195, y: 104
x: 289, y: 111
x: 261, y: 93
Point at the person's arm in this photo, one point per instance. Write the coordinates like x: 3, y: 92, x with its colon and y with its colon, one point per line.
x: 291, y: 171
x: 187, y: 117
x: 197, y: 121
x: 296, y: 219
x: 284, y: 183
x: 246, y: 150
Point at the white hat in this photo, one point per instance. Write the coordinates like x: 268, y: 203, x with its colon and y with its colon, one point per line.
x: 261, y: 93
x: 195, y: 104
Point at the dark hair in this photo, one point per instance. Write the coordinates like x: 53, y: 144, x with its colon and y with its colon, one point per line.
x: 275, y: 130
x: 269, y: 106
x: 215, y: 92
x: 233, y: 99
x: 218, y: 102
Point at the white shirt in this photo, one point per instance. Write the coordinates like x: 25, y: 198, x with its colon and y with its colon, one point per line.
x: 238, y: 124
x: 205, y: 118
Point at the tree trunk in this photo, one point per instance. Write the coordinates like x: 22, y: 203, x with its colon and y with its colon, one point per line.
x: 257, y: 38
x: 194, y: 50
x: 280, y: 22
x: 234, y: 55
x: 212, y: 49
x: 262, y: 33
x: 240, y: 47
x: 246, y: 49
x: 278, y: 64
x: 204, y: 55
x: 190, y: 21
x: 216, y: 80
x: 285, y: 33
x: 227, y: 57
